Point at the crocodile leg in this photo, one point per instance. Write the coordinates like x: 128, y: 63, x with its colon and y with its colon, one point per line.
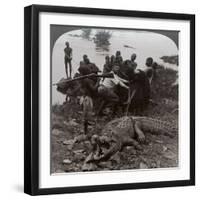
x: 131, y: 142
x: 139, y: 132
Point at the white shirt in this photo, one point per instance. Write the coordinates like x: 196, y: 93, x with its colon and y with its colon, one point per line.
x: 111, y: 82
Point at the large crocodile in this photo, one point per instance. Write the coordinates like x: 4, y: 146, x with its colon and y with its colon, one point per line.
x: 126, y: 131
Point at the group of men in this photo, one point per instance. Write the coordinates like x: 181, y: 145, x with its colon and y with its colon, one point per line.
x: 116, y: 73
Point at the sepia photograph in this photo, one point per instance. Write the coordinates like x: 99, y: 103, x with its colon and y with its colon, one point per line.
x: 114, y: 99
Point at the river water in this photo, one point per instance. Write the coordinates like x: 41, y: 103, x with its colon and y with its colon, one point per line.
x: 144, y: 44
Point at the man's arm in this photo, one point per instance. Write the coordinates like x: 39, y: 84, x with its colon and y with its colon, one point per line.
x: 121, y: 81
x: 70, y: 54
x: 91, y: 86
x: 65, y: 51
x: 123, y: 85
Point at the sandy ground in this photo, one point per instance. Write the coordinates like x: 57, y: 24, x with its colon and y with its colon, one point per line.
x: 158, y: 151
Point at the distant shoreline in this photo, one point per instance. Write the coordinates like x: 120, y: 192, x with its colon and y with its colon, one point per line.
x: 170, y: 59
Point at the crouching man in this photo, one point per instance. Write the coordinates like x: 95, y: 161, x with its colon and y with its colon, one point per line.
x: 107, y: 89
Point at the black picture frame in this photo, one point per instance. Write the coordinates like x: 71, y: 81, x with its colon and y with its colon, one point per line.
x: 31, y: 98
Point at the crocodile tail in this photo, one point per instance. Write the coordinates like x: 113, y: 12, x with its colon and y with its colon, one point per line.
x: 157, y: 126
x: 166, y: 128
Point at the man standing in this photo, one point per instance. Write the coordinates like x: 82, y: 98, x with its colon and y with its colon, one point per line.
x: 68, y: 58
x: 149, y: 71
x: 118, y: 58
x: 89, y: 89
x: 133, y: 63
x: 107, y: 66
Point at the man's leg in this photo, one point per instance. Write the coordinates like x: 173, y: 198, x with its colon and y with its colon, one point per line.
x: 85, y: 126
x: 70, y: 69
x: 131, y: 95
x: 87, y: 112
x: 108, y: 95
x: 102, y: 105
x: 102, y: 92
x: 66, y: 68
x: 114, y: 98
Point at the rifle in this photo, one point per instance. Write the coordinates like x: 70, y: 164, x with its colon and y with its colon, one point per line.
x: 65, y: 81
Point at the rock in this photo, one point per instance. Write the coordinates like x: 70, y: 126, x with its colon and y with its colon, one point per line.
x: 143, y: 166
x: 59, y: 171
x: 116, y: 158
x: 158, y: 163
x: 72, y: 169
x: 153, y: 165
x: 72, y: 122
x: 65, y: 123
x: 146, y: 151
x: 143, y: 159
x: 107, y: 111
x: 70, y: 147
x: 79, y: 157
x: 107, y: 169
x: 106, y: 165
x: 68, y: 142
x: 80, y: 138
x: 170, y: 155
x: 129, y: 148
x: 87, y: 143
x: 67, y: 161
x: 89, y: 157
x: 79, y: 151
x: 88, y: 167
x: 57, y: 126
x: 159, y: 141
x: 56, y: 132
x: 165, y: 148
x: 90, y: 127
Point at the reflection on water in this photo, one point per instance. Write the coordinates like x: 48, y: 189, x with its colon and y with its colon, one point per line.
x: 143, y: 43
x: 102, y: 48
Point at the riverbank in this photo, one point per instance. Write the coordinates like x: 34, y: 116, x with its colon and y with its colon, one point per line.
x: 170, y: 59
x: 159, y: 151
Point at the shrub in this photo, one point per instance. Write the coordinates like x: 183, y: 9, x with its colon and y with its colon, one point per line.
x: 102, y: 37
x: 162, y: 85
x: 86, y: 33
